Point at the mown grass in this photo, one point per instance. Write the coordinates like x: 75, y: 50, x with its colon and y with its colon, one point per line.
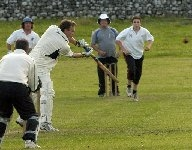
x: 160, y: 120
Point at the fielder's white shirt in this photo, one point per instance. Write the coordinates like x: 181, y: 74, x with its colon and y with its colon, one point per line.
x: 51, y: 41
x: 19, y: 67
x: 133, y: 41
x: 32, y: 38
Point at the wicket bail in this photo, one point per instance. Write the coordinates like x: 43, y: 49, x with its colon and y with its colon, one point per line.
x: 109, y: 80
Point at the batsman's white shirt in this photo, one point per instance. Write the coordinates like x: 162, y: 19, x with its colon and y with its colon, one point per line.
x: 52, y: 41
x: 19, y: 67
x: 133, y: 41
x: 32, y: 38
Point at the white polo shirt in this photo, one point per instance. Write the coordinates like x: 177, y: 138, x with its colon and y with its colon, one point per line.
x: 19, y: 67
x: 32, y: 38
x: 133, y: 41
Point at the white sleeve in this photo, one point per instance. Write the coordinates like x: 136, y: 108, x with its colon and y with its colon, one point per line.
x: 12, y: 38
x: 67, y: 50
x: 122, y: 35
x: 33, y: 80
x: 149, y: 37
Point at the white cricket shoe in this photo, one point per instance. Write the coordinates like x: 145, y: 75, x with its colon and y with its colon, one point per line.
x: 135, y: 97
x: 46, y: 126
x: 129, y: 92
x: 20, y: 121
x: 31, y: 144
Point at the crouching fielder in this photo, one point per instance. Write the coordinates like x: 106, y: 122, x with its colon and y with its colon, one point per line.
x: 17, y: 79
x: 53, y: 43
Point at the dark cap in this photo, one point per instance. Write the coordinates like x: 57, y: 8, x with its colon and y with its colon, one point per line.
x: 27, y: 19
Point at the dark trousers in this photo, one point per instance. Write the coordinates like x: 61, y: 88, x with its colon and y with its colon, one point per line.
x: 106, y: 61
x: 17, y: 95
x: 134, y: 68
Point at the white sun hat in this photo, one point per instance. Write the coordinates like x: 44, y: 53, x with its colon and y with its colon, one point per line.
x: 104, y: 16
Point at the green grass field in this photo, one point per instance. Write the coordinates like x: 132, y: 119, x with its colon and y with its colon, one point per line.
x: 160, y: 120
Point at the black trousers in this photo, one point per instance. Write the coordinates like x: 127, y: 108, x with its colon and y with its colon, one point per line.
x: 17, y: 95
x: 134, y: 68
x: 106, y: 61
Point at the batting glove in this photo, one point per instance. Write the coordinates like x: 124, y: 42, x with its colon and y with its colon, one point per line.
x: 88, y: 51
x: 82, y: 43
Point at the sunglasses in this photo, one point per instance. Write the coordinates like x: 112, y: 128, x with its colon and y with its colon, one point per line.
x: 136, y: 21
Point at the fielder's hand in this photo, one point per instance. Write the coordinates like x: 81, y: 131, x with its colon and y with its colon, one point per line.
x: 81, y: 43
x: 147, y: 48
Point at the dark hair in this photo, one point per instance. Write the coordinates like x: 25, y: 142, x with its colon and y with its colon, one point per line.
x: 22, y: 44
x: 23, y: 25
x: 66, y: 24
x: 27, y: 19
x: 135, y: 17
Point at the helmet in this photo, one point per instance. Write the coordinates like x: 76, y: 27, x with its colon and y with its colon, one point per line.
x: 104, y: 16
x: 27, y: 19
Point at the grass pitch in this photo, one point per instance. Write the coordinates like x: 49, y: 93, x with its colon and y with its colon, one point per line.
x: 160, y: 120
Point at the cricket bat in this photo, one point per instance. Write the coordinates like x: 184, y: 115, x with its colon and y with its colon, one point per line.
x: 104, y: 68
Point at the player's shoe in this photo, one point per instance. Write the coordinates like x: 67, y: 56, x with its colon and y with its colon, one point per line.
x: 20, y: 121
x: 129, y: 92
x: 46, y: 126
x: 101, y: 93
x: 135, y: 97
x: 31, y: 144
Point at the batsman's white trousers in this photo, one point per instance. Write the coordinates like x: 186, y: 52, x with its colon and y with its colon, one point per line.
x: 46, y: 99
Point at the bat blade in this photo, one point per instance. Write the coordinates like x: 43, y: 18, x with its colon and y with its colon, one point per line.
x: 114, y: 78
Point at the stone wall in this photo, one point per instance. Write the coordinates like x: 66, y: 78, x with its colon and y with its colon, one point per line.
x: 121, y: 9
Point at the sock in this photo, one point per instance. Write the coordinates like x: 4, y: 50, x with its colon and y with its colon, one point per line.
x: 134, y: 91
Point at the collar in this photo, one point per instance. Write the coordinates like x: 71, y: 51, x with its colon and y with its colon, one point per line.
x: 25, y: 32
x: 19, y: 51
x: 133, y: 29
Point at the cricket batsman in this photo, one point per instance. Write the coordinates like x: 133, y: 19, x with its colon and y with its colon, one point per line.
x: 53, y: 43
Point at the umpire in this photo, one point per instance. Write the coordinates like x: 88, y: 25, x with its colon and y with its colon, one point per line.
x: 17, y: 79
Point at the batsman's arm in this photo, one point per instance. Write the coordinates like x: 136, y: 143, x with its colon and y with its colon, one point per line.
x: 79, y: 43
x: 73, y: 41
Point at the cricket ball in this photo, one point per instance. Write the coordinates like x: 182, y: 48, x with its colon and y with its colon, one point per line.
x: 185, y: 40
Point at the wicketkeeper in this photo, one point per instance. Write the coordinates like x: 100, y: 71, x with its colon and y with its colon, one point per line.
x: 53, y: 43
x: 17, y: 79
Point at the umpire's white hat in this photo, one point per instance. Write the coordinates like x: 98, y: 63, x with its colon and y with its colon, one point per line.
x: 104, y: 16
